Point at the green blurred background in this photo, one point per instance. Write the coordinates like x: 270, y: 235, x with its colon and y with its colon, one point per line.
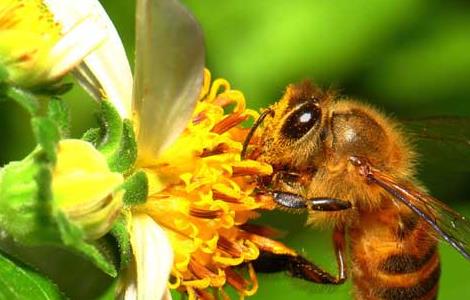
x: 409, y: 57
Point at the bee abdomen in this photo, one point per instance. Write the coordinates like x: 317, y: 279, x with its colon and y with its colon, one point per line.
x: 400, y: 277
x: 426, y: 288
x: 404, y: 263
x: 388, y: 265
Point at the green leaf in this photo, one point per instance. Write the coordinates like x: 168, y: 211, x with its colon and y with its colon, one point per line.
x: 20, y: 282
x: 59, y: 111
x: 121, y: 234
x: 136, y: 187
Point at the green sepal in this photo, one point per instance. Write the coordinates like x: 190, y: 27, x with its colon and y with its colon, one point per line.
x: 115, y: 139
x: 123, y: 158
x: 28, y: 214
x: 120, y: 233
x: 21, y: 282
x: 24, y: 98
x: 59, y: 111
x: 25, y: 206
x: 92, y: 135
x: 27, y: 210
x: 111, y: 129
x: 72, y: 237
x: 136, y: 187
x: 53, y: 89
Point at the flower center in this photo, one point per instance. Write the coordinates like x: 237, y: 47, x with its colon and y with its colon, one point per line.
x: 202, y: 194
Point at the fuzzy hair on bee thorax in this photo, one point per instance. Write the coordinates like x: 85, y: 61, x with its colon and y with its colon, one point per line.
x: 313, y: 133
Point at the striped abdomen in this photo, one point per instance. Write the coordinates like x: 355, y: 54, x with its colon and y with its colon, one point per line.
x: 394, y: 256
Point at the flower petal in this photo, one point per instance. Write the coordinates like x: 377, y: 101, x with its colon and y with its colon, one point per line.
x: 168, y: 75
x: 76, y: 44
x: 153, y: 257
x: 106, y: 71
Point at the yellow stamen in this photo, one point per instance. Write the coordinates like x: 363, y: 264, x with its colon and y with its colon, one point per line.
x: 34, y: 49
x: 202, y: 193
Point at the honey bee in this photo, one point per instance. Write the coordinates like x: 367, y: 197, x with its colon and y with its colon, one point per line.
x: 325, y: 149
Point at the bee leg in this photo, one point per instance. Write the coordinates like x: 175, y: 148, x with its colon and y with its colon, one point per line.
x: 300, y: 267
x: 339, y: 243
x: 291, y: 200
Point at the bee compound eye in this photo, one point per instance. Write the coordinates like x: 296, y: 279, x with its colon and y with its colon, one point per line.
x: 301, y: 121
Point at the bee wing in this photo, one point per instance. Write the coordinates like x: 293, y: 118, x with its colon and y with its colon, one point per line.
x: 444, y: 141
x: 450, y: 225
x: 168, y: 73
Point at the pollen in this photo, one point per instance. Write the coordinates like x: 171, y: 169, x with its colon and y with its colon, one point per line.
x: 28, y: 33
x: 203, y: 194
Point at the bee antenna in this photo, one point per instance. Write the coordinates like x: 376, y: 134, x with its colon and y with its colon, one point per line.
x: 258, y: 122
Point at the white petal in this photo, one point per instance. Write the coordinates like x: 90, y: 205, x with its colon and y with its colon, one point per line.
x: 106, y: 71
x: 167, y: 295
x: 168, y: 72
x: 74, y: 47
x: 153, y: 258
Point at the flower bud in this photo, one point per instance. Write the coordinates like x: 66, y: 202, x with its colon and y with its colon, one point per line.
x: 80, y: 188
x: 84, y: 188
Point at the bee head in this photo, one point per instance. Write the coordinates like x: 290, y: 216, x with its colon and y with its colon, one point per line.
x: 293, y: 132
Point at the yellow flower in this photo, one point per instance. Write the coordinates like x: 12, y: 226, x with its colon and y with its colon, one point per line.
x: 193, y: 224
x: 107, y: 61
x: 35, y: 48
x: 201, y: 194
x: 85, y: 189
